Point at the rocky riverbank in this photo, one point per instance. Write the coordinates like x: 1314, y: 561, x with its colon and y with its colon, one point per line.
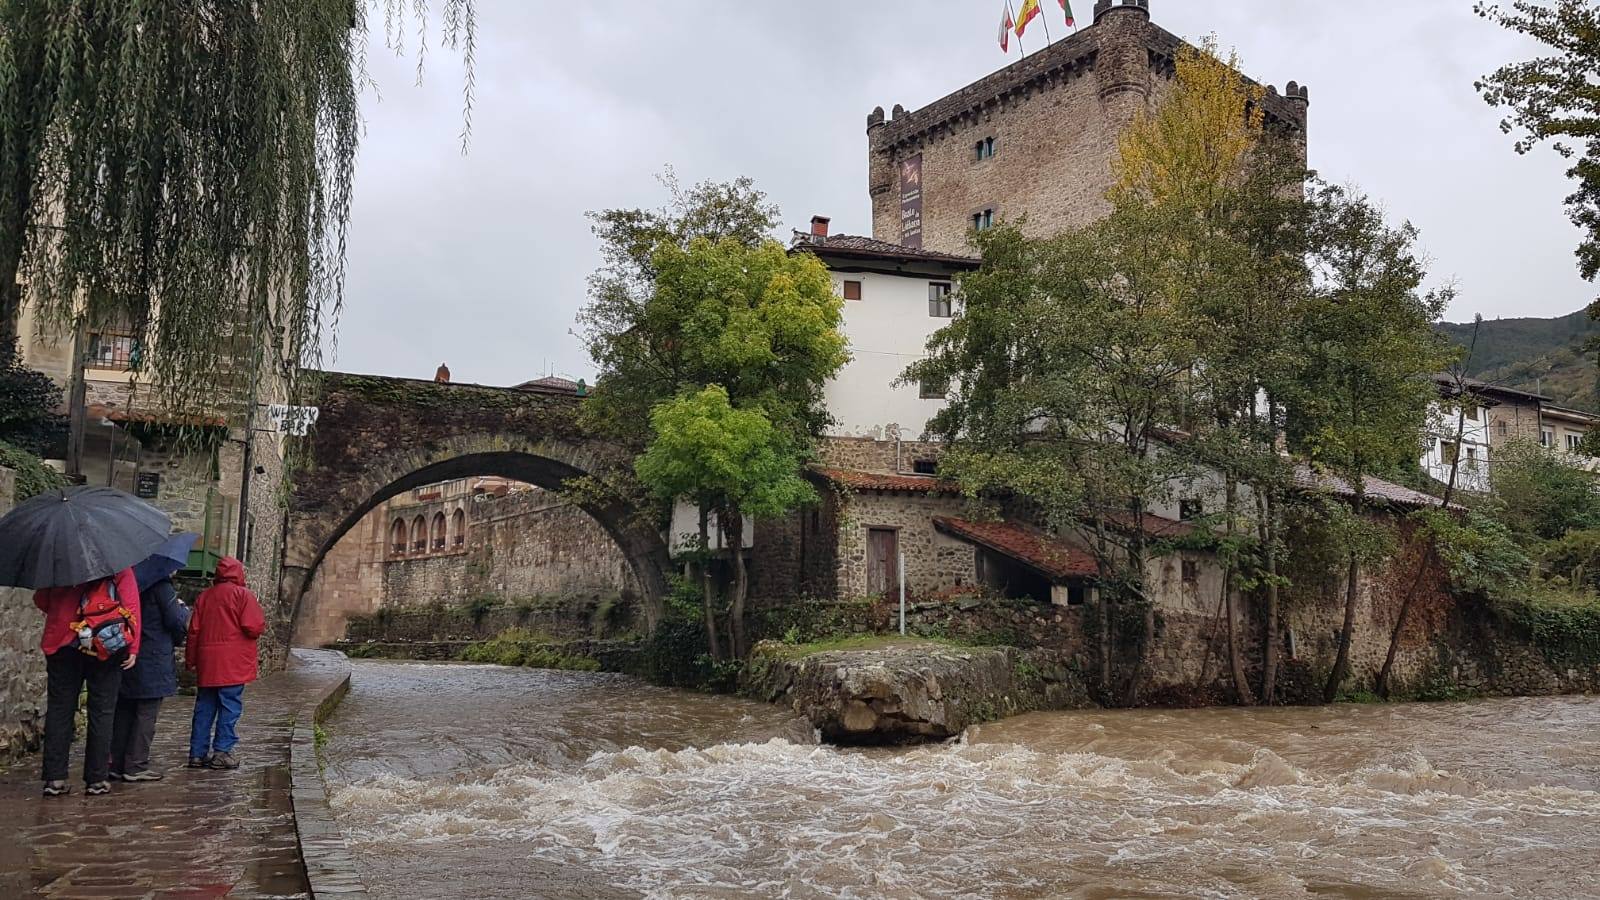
x: 890, y: 690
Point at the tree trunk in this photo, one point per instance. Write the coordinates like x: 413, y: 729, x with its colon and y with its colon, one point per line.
x: 734, y: 526
x: 1341, y: 662
x: 1382, y: 687
x: 1103, y: 640
x: 1241, y: 683
x: 1147, y: 627
x: 1269, y: 656
x: 707, y: 590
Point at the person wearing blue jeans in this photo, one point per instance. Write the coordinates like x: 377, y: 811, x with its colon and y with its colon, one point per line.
x: 223, y: 630
x: 216, y: 713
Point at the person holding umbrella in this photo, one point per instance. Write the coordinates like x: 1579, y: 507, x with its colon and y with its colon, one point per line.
x: 75, y: 547
x: 154, y: 677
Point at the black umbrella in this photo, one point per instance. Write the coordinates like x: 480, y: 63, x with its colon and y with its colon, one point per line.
x: 66, y: 537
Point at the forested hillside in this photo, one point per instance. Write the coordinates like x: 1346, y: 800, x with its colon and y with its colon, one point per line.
x: 1536, y: 354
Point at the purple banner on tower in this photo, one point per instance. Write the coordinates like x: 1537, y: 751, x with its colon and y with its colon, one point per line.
x: 911, y: 202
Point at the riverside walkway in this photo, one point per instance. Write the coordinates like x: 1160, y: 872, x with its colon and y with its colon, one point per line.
x: 198, y: 833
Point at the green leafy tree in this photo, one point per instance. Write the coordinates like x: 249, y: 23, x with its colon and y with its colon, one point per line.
x: 639, y: 349
x: 729, y: 460
x: 29, y: 401
x: 1067, y: 364
x: 185, y: 169
x: 1540, y: 494
x: 1368, y: 350
x: 1552, y: 99
x: 713, y: 304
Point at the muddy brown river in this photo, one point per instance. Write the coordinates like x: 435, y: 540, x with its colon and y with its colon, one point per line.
x: 487, y: 782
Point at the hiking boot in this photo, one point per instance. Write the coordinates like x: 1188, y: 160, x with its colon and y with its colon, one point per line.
x: 146, y: 775
x: 97, y: 788
x: 197, y: 762
x: 56, y: 789
x: 222, y: 761
x: 115, y: 776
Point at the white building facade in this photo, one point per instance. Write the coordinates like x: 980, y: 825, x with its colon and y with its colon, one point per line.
x: 895, y: 299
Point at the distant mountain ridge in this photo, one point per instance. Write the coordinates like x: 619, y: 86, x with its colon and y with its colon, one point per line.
x: 1543, y: 355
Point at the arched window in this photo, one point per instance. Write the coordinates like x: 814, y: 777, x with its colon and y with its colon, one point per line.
x: 397, y: 538
x: 458, y: 528
x: 438, y: 531
x: 419, y: 535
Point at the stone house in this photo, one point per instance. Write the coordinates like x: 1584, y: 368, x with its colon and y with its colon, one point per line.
x: 1489, y: 417
x: 455, y: 542
x: 216, y: 472
x: 1563, y: 429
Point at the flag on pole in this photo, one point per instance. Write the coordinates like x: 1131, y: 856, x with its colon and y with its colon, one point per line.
x: 1005, y: 29
x: 1030, y: 10
x: 1066, y: 7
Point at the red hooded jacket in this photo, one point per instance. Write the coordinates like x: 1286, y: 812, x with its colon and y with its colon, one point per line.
x: 60, y: 608
x: 227, y: 621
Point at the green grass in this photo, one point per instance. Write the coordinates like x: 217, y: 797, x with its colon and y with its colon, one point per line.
x: 854, y: 642
x: 529, y: 648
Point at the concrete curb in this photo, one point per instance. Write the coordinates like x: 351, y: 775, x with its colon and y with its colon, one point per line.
x: 330, y: 869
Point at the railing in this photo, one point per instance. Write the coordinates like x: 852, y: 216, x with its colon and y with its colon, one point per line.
x: 438, y: 543
x: 460, y: 539
x: 419, y: 546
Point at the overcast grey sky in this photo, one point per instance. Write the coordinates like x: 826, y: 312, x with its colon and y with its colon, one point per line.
x: 480, y: 260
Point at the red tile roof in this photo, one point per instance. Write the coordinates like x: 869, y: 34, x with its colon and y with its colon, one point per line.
x: 1051, y: 556
x: 874, y: 481
x: 1309, y: 479
x: 852, y: 245
x: 1154, y: 526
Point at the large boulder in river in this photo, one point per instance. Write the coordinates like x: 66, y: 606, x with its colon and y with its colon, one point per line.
x: 897, y: 691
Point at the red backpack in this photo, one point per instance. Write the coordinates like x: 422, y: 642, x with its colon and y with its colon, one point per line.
x: 104, y: 625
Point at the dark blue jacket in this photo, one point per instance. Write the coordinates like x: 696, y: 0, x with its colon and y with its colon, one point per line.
x: 165, y: 623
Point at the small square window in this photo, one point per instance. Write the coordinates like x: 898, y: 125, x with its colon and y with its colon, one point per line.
x: 1547, y: 438
x: 929, y: 389
x: 1191, y: 572
x: 983, y: 221
x: 939, y: 299
x: 1573, y: 440
x: 1191, y: 509
x: 852, y: 290
x: 985, y: 148
x: 925, y: 467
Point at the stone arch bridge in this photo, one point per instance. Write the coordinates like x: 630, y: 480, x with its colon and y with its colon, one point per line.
x: 377, y: 437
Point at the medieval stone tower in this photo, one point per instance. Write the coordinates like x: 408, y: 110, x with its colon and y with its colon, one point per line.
x: 1035, y: 138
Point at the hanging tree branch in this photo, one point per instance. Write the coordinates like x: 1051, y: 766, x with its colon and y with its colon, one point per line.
x: 184, y: 170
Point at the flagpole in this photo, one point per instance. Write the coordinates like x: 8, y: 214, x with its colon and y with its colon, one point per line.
x: 1046, y: 20
x: 1020, y: 49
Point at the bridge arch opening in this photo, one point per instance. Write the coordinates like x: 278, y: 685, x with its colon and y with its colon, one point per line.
x: 315, y: 528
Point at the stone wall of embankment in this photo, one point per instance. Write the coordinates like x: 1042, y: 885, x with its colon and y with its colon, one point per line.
x: 21, y: 663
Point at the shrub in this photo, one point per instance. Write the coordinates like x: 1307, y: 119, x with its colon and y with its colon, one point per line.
x: 1563, y: 624
x: 33, y: 476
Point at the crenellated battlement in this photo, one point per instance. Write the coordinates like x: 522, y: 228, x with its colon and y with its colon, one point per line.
x: 1045, y: 70
x: 1032, y: 142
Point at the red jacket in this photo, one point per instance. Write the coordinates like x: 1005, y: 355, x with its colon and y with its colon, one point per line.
x: 60, y: 608
x: 223, y: 630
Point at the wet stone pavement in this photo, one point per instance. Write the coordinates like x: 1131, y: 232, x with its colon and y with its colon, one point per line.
x: 196, y: 834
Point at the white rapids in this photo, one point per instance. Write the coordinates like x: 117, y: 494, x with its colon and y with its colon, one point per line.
x: 485, y: 782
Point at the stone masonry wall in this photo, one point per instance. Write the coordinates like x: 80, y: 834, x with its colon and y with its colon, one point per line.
x: 1055, y: 115
x: 869, y: 455
x: 520, y: 546
x: 933, y: 560
x: 21, y: 663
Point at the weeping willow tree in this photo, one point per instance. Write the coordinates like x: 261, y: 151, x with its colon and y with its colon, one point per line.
x: 182, y: 172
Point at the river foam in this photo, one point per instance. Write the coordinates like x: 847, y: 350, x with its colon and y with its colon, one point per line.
x: 1059, y: 805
